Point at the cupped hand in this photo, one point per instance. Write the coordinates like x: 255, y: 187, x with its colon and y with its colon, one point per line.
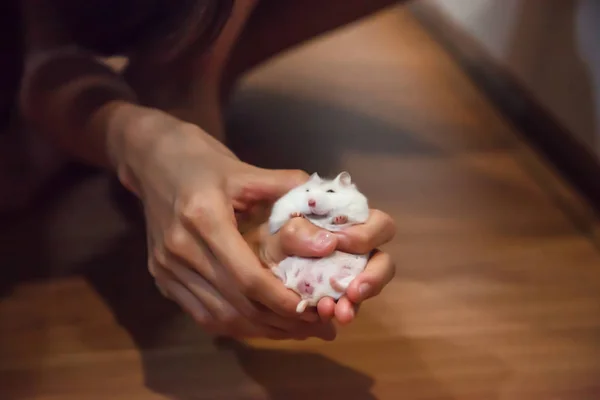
x: 299, y: 237
x: 366, y: 238
x: 192, y: 187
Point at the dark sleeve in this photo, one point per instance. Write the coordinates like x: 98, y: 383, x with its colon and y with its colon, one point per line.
x: 119, y: 27
x: 11, y: 58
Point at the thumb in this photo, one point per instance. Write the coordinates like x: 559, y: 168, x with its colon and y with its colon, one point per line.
x: 270, y: 184
x: 297, y: 237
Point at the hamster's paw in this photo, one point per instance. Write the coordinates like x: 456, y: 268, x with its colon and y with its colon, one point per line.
x: 341, y: 285
x: 340, y: 220
x: 342, y: 280
x: 297, y: 215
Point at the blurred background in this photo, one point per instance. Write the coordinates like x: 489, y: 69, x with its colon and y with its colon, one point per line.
x: 475, y: 124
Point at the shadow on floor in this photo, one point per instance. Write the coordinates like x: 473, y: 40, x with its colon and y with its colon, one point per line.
x: 22, y: 234
x: 310, y: 134
x: 286, y: 374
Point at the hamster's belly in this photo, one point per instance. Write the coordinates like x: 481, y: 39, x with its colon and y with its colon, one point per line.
x: 311, y: 278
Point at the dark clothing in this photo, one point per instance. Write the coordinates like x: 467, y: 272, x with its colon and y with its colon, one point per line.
x: 111, y: 27
x: 11, y: 58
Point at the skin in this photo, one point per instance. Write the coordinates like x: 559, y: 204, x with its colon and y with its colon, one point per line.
x: 195, y: 191
x: 302, y: 238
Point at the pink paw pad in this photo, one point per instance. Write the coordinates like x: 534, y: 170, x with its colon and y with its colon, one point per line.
x: 305, y: 288
x: 340, y: 220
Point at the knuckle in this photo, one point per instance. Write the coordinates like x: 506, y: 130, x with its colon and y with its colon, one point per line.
x: 176, y: 239
x: 386, y: 221
x: 291, y: 228
x: 229, y: 317
x: 195, y: 209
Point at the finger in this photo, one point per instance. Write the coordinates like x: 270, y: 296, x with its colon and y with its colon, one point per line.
x: 380, y: 270
x: 199, y: 271
x: 344, y: 311
x: 326, y: 309
x: 261, y: 184
x: 298, y: 237
x: 215, y: 304
x: 182, y: 248
x: 378, y: 230
x: 211, y: 218
x: 222, y: 317
x: 190, y: 304
x: 224, y: 313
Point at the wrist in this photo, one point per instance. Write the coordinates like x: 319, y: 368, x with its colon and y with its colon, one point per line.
x: 134, y: 133
x: 120, y: 120
x: 114, y: 118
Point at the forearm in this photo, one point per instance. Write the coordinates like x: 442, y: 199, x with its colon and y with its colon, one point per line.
x: 81, y: 104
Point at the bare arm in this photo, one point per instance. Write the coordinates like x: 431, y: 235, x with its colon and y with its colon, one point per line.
x: 68, y: 95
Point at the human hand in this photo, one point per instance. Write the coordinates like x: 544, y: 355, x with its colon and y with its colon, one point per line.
x: 299, y: 237
x: 191, y: 187
x: 366, y: 238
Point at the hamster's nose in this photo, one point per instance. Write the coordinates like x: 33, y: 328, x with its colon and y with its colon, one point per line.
x: 312, y: 203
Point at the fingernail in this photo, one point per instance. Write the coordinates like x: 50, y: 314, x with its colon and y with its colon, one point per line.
x: 349, y: 316
x: 363, y: 290
x: 351, y: 313
x: 323, y: 239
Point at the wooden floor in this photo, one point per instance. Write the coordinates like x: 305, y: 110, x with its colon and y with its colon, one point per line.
x: 497, y: 294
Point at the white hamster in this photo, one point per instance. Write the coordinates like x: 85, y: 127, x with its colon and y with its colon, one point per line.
x: 332, y: 204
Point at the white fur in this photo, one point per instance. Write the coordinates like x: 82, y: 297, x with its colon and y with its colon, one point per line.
x: 346, y: 200
x: 338, y: 268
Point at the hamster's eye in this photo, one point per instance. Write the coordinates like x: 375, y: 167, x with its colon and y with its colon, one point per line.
x: 331, y: 191
x: 308, y: 190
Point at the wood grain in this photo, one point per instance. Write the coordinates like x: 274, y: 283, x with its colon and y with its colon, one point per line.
x: 497, y: 294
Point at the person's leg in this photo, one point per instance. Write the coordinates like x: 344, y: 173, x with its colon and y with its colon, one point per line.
x: 257, y: 30
x: 278, y: 25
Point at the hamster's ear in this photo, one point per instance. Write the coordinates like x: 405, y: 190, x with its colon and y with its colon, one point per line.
x: 344, y: 179
x: 315, y: 178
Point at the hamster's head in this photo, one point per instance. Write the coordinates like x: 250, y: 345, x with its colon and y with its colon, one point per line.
x: 323, y: 196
